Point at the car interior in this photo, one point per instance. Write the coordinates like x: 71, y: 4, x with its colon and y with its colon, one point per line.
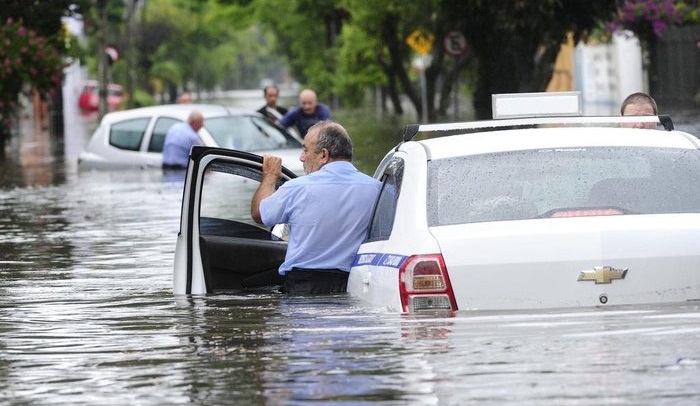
x: 239, y: 256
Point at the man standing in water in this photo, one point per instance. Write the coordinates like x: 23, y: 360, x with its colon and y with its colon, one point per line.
x: 328, y: 211
x: 308, y: 113
x: 271, y: 110
x: 179, y: 140
x: 639, y: 104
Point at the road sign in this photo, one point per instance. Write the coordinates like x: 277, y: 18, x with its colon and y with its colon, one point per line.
x: 421, y: 41
x: 455, y: 44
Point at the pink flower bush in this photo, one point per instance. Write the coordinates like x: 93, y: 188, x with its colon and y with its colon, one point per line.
x: 26, y: 62
x: 648, y: 19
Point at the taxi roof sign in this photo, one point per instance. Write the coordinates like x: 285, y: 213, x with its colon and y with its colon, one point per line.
x: 538, y: 104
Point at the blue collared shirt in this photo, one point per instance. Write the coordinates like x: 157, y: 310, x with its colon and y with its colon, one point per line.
x: 328, y: 212
x: 178, y: 141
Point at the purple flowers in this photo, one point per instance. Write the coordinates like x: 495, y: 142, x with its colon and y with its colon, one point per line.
x: 649, y: 17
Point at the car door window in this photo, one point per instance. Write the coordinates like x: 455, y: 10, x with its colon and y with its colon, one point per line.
x: 385, y: 210
x: 162, y: 126
x: 227, y: 191
x: 128, y: 134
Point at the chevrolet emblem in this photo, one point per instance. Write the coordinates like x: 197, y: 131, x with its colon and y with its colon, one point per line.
x: 602, y: 274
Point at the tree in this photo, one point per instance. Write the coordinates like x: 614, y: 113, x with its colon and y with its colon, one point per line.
x: 32, y: 43
x: 648, y: 19
x: 307, y: 33
x: 514, y: 43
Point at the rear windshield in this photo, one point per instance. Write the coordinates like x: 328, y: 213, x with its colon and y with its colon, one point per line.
x: 564, y: 182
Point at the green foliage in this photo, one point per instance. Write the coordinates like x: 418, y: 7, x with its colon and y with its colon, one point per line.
x: 142, y: 99
x: 301, y: 29
x: 357, y: 66
x: 32, y: 40
x: 371, y: 138
x: 26, y: 62
x: 202, y: 45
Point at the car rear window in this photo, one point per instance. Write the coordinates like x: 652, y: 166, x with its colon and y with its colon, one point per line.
x: 563, y: 182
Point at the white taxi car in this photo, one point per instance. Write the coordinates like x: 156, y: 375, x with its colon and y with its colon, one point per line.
x: 135, y: 137
x: 534, y: 213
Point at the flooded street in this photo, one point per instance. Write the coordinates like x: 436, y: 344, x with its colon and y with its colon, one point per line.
x: 87, y: 317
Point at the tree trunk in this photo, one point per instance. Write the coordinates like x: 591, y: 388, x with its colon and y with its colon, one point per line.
x: 396, y: 66
x: 56, y: 124
x: 393, y: 93
x: 511, y: 69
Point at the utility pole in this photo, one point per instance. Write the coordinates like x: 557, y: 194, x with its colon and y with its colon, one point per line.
x: 102, y: 55
x: 131, y: 52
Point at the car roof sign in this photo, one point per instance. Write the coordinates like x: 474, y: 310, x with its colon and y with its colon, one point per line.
x: 538, y: 104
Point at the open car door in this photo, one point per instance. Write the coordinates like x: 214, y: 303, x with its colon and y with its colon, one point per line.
x: 219, y: 247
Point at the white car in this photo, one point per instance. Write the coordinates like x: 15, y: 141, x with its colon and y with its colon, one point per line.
x: 134, y: 138
x: 545, y: 217
x: 543, y: 212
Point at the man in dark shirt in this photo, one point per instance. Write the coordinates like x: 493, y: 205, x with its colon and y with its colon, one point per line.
x: 271, y: 110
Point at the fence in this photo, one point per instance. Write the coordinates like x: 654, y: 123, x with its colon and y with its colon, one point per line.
x: 675, y: 81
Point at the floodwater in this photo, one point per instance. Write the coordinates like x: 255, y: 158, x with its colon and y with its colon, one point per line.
x: 87, y: 317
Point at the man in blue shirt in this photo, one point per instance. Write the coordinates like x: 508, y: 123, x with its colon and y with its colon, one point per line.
x: 328, y: 210
x: 179, y: 140
x: 308, y: 113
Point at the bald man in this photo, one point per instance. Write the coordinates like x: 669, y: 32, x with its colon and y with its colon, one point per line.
x: 179, y: 140
x: 639, y: 104
x: 307, y: 113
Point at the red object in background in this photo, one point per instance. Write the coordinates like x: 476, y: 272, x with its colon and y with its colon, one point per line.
x: 89, y: 99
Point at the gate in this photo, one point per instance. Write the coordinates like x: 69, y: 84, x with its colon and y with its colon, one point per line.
x: 676, y: 66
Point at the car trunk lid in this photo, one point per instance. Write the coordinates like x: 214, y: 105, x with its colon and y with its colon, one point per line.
x: 570, y: 262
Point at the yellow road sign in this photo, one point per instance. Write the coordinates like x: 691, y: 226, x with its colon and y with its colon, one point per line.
x: 421, y: 41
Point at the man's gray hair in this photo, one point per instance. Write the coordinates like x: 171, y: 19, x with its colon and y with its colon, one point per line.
x: 334, y: 138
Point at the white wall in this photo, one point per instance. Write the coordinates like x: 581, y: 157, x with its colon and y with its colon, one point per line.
x: 606, y: 73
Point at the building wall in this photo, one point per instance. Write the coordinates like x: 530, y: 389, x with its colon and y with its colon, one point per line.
x: 604, y: 73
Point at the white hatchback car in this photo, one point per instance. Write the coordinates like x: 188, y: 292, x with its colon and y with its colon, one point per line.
x: 134, y: 138
x: 520, y: 217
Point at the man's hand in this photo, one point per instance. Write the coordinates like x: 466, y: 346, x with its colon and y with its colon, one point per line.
x: 271, y: 171
x: 272, y: 167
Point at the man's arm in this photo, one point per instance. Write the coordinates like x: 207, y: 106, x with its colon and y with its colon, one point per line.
x: 289, y: 118
x: 271, y: 170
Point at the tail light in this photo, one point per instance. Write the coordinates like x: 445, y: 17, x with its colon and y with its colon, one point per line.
x: 425, y: 285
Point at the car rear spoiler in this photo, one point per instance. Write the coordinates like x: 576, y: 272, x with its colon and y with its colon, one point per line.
x: 503, y: 124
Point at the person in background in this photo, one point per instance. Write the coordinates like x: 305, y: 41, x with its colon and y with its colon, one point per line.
x: 328, y: 211
x: 271, y: 110
x: 185, y: 98
x: 308, y: 113
x: 639, y: 104
x: 179, y: 140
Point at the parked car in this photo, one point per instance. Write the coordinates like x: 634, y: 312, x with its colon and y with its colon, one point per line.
x: 542, y: 212
x: 134, y: 138
x: 89, y: 99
